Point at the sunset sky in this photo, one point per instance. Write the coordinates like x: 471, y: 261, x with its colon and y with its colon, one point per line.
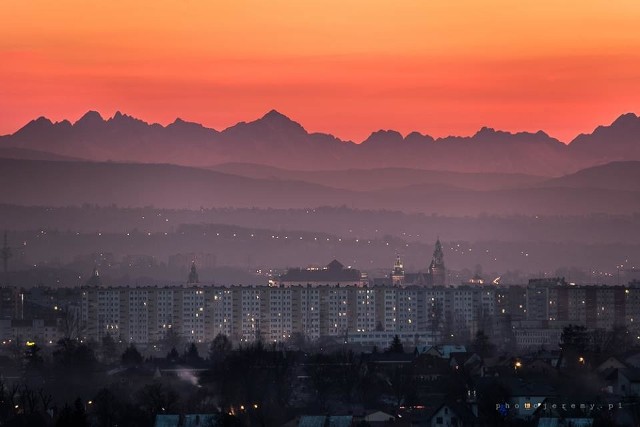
x: 344, y: 67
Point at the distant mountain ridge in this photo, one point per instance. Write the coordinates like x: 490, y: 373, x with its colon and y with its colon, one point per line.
x: 385, y: 178
x: 276, y: 140
x: 614, y: 176
x: 612, y: 189
x: 26, y: 154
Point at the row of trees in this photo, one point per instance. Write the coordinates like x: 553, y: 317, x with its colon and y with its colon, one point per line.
x: 258, y: 384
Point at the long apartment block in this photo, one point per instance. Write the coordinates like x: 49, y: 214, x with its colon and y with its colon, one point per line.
x: 275, y: 313
x: 246, y: 313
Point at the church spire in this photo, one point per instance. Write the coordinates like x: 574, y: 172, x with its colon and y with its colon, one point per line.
x: 437, y: 270
x: 438, y: 256
x: 397, y: 275
x: 193, y: 274
x: 95, y: 279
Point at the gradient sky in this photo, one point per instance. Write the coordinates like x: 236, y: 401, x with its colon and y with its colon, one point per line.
x: 344, y: 67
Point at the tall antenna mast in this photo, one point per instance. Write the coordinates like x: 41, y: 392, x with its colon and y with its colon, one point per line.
x: 6, y: 254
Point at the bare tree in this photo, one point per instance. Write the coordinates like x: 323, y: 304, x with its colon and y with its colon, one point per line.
x: 46, y: 400
x: 71, y: 325
x: 30, y: 399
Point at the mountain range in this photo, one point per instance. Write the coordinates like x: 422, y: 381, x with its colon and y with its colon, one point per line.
x: 611, y: 189
x: 275, y: 140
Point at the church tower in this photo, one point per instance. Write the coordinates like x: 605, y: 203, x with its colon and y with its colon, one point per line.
x: 397, y: 275
x: 94, y: 279
x: 193, y: 274
x: 437, y: 272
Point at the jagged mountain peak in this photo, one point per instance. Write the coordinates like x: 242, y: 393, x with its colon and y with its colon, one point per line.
x: 275, y: 115
x: 40, y: 121
x: 122, y: 120
x: 36, y: 125
x: 272, y: 124
x: 123, y: 117
x: 89, y: 118
x: 387, y: 136
x: 275, y: 119
x: 179, y: 123
x: 488, y: 134
x: 487, y: 131
x: 623, y: 133
x: 625, y: 119
x: 181, y: 126
x: 418, y: 137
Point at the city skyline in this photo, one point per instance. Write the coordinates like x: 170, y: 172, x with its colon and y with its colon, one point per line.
x: 301, y: 213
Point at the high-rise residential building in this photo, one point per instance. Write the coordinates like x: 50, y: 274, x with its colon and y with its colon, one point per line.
x: 308, y: 323
x: 193, y: 316
x: 248, y: 313
x: 218, y: 311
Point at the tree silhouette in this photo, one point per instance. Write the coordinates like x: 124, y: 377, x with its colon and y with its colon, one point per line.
x: 349, y: 370
x: 575, y: 337
x: 131, y: 356
x: 75, y: 417
x: 171, y: 340
x: 322, y: 379
x: 400, y: 383
x: 156, y: 399
x: 482, y: 345
x: 575, y: 342
x: 109, y: 349
x: 220, y: 347
x: 396, y: 346
x: 298, y: 341
x: 72, y: 355
x: 191, y: 356
x: 106, y: 408
x: 173, y: 356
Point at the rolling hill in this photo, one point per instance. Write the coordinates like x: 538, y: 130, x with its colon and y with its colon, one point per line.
x: 385, y: 178
x: 60, y: 183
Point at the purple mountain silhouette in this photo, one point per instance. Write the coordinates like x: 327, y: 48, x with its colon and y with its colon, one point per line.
x: 619, y: 140
x: 276, y: 140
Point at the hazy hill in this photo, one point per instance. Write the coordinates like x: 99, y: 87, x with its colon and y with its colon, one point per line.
x: 27, y: 182
x: 385, y: 178
x: 26, y: 154
x: 276, y: 140
x: 57, y: 183
x: 612, y: 176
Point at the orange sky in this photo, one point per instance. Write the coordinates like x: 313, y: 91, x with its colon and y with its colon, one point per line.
x: 344, y: 67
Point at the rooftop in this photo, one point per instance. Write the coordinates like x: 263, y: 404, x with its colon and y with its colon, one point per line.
x: 333, y: 272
